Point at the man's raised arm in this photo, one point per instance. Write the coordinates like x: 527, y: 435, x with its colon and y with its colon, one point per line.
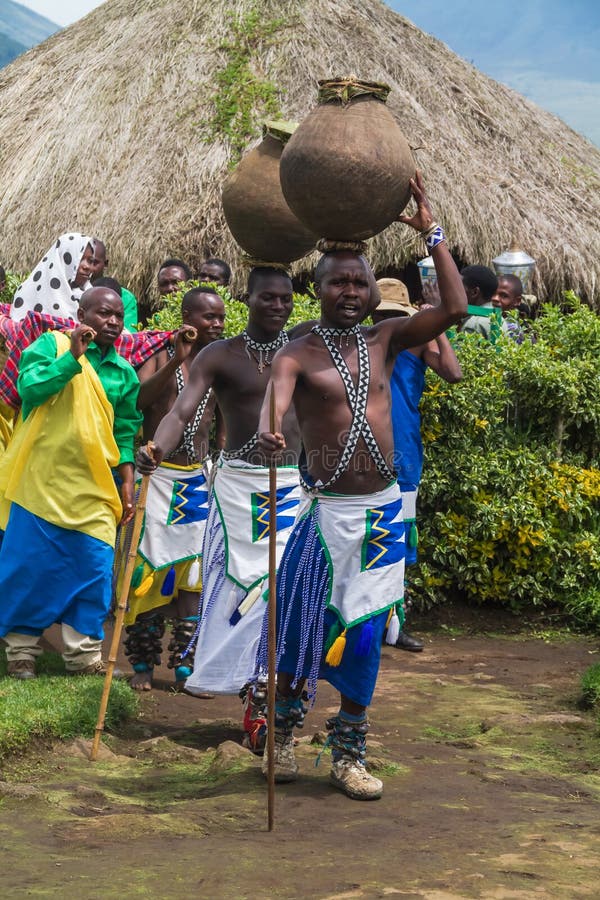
x: 425, y: 326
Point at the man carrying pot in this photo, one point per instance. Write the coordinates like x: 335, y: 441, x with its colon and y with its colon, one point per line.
x: 342, y: 570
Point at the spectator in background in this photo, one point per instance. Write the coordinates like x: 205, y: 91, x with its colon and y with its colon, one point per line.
x: 214, y: 271
x: 58, y: 280
x: 508, y: 294
x: 480, y: 286
x: 407, y: 384
x: 171, y: 274
x: 509, y: 299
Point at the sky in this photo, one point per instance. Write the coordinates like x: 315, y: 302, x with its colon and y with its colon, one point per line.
x: 546, y: 50
x: 554, y: 60
x: 63, y: 12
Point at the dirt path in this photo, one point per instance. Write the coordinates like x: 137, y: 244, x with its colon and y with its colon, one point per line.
x: 492, y: 782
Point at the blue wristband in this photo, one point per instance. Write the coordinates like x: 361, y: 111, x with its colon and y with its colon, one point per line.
x: 435, y: 237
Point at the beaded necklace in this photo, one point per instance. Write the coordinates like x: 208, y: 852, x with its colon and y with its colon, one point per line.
x: 357, y: 399
x: 263, y: 349
x: 189, y: 432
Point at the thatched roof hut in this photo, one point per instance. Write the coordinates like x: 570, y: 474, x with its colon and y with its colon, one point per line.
x: 124, y: 124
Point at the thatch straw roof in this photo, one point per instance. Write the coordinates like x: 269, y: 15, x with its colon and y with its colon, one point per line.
x: 104, y: 128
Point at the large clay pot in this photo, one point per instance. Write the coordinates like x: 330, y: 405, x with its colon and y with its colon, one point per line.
x: 345, y: 171
x: 257, y: 215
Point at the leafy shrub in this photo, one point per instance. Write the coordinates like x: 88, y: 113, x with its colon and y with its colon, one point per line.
x: 13, y: 280
x: 509, y: 506
x: 585, y: 607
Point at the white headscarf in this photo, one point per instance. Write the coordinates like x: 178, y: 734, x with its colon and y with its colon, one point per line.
x: 48, y: 289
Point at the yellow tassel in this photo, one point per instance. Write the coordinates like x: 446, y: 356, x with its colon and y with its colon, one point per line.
x: 336, y: 651
x: 144, y: 587
x: 390, y: 614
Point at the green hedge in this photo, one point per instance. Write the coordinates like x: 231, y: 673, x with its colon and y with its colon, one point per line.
x: 13, y: 281
x: 509, y: 508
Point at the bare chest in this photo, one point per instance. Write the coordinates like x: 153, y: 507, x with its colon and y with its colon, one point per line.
x: 338, y: 380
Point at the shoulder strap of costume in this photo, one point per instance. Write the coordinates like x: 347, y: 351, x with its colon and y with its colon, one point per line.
x: 189, y: 432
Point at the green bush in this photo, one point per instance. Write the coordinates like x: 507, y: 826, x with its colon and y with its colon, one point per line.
x: 509, y: 508
x: 13, y: 280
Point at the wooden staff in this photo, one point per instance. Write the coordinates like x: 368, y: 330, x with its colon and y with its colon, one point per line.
x: 140, y: 508
x: 272, y: 622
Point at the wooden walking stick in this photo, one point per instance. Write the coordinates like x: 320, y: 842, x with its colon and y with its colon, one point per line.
x: 272, y: 622
x: 140, y: 508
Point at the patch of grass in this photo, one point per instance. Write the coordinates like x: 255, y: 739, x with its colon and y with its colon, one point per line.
x: 590, y: 685
x: 453, y: 630
x: 388, y: 769
x: 56, y: 707
x: 461, y: 732
x: 585, y: 608
x: 553, y: 635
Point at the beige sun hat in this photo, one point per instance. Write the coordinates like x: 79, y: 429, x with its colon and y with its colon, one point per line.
x: 394, y: 297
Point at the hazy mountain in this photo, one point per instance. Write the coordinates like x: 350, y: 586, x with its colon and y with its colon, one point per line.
x: 9, y: 49
x: 20, y: 29
x: 545, y: 49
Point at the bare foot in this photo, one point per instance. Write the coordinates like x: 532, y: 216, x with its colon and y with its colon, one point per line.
x: 179, y: 688
x: 141, y: 681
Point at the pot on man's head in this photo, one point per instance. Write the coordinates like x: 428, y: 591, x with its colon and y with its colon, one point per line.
x: 255, y: 209
x: 346, y: 170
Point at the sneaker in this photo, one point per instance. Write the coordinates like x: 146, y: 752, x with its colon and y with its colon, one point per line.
x: 100, y: 667
x: 354, y: 780
x: 23, y: 669
x: 286, y: 767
